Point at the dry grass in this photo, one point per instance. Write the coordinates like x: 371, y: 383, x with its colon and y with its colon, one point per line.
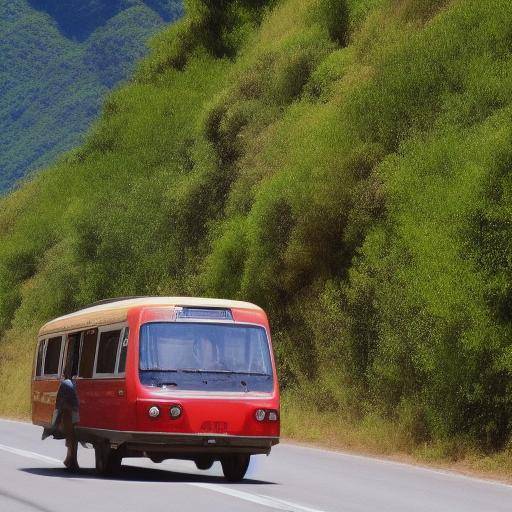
x: 376, y: 437
x: 15, y: 375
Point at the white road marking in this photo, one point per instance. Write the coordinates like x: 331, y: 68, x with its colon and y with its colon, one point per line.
x: 267, y: 501
x: 260, y: 499
x: 30, y: 455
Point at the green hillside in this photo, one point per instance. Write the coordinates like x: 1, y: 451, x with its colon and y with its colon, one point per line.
x: 342, y: 163
x: 58, y: 59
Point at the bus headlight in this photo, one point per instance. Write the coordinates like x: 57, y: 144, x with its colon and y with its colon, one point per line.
x: 260, y: 414
x: 154, y: 412
x: 175, y: 412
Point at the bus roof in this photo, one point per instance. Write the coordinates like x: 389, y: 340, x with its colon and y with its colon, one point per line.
x: 116, y: 311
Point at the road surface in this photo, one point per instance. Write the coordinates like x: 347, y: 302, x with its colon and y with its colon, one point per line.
x: 292, y: 478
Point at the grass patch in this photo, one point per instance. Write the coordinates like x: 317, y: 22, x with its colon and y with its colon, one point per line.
x: 377, y: 437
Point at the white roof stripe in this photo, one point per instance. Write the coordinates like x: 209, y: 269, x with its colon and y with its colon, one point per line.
x: 125, y: 304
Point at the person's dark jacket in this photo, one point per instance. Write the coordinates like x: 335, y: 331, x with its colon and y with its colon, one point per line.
x: 67, y: 396
x: 67, y: 399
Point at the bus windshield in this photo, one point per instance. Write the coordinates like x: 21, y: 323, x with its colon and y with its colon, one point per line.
x: 194, y: 355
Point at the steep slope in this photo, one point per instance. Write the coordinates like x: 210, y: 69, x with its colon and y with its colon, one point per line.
x: 345, y: 164
x: 57, y: 61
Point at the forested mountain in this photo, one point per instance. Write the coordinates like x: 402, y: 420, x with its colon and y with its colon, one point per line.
x: 343, y: 163
x: 58, y: 58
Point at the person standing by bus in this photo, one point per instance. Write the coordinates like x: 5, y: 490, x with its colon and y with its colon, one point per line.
x: 67, y: 405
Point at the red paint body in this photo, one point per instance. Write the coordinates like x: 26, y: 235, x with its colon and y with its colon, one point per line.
x: 122, y: 404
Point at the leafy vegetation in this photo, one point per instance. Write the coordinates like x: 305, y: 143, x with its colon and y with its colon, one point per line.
x: 343, y: 163
x: 57, y: 61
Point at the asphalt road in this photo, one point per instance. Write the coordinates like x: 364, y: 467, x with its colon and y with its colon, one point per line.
x: 292, y: 478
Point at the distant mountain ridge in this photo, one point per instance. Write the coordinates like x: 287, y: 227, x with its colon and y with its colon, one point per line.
x: 58, y: 58
x: 77, y: 19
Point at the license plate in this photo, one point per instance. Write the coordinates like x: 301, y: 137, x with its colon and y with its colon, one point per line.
x: 216, y: 427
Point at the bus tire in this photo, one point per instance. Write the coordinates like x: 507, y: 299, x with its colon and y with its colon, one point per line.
x: 204, y: 463
x: 235, y: 466
x: 108, y: 461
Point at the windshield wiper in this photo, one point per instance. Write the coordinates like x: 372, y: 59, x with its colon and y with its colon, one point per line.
x: 203, y: 370
x: 191, y: 370
x: 172, y: 370
x: 227, y: 372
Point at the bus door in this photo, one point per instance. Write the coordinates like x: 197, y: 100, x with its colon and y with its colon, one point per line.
x: 84, y: 380
x: 102, y: 390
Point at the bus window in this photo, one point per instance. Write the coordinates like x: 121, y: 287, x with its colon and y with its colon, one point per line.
x: 73, y: 351
x: 87, y: 354
x: 52, y: 357
x: 123, y: 351
x: 39, y: 360
x: 190, y: 351
x: 107, y: 352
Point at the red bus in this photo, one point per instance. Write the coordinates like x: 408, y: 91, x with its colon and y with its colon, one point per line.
x: 164, y: 378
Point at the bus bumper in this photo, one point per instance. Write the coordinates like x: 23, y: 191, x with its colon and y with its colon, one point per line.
x: 179, y: 444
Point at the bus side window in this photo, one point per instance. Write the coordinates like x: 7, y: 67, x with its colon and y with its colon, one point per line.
x: 52, y: 356
x: 72, y: 354
x: 107, y: 352
x: 123, y: 349
x: 88, y: 353
x: 39, y: 360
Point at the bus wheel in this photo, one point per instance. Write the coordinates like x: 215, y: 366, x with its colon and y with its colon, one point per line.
x: 235, y: 466
x: 204, y: 463
x: 108, y: 461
